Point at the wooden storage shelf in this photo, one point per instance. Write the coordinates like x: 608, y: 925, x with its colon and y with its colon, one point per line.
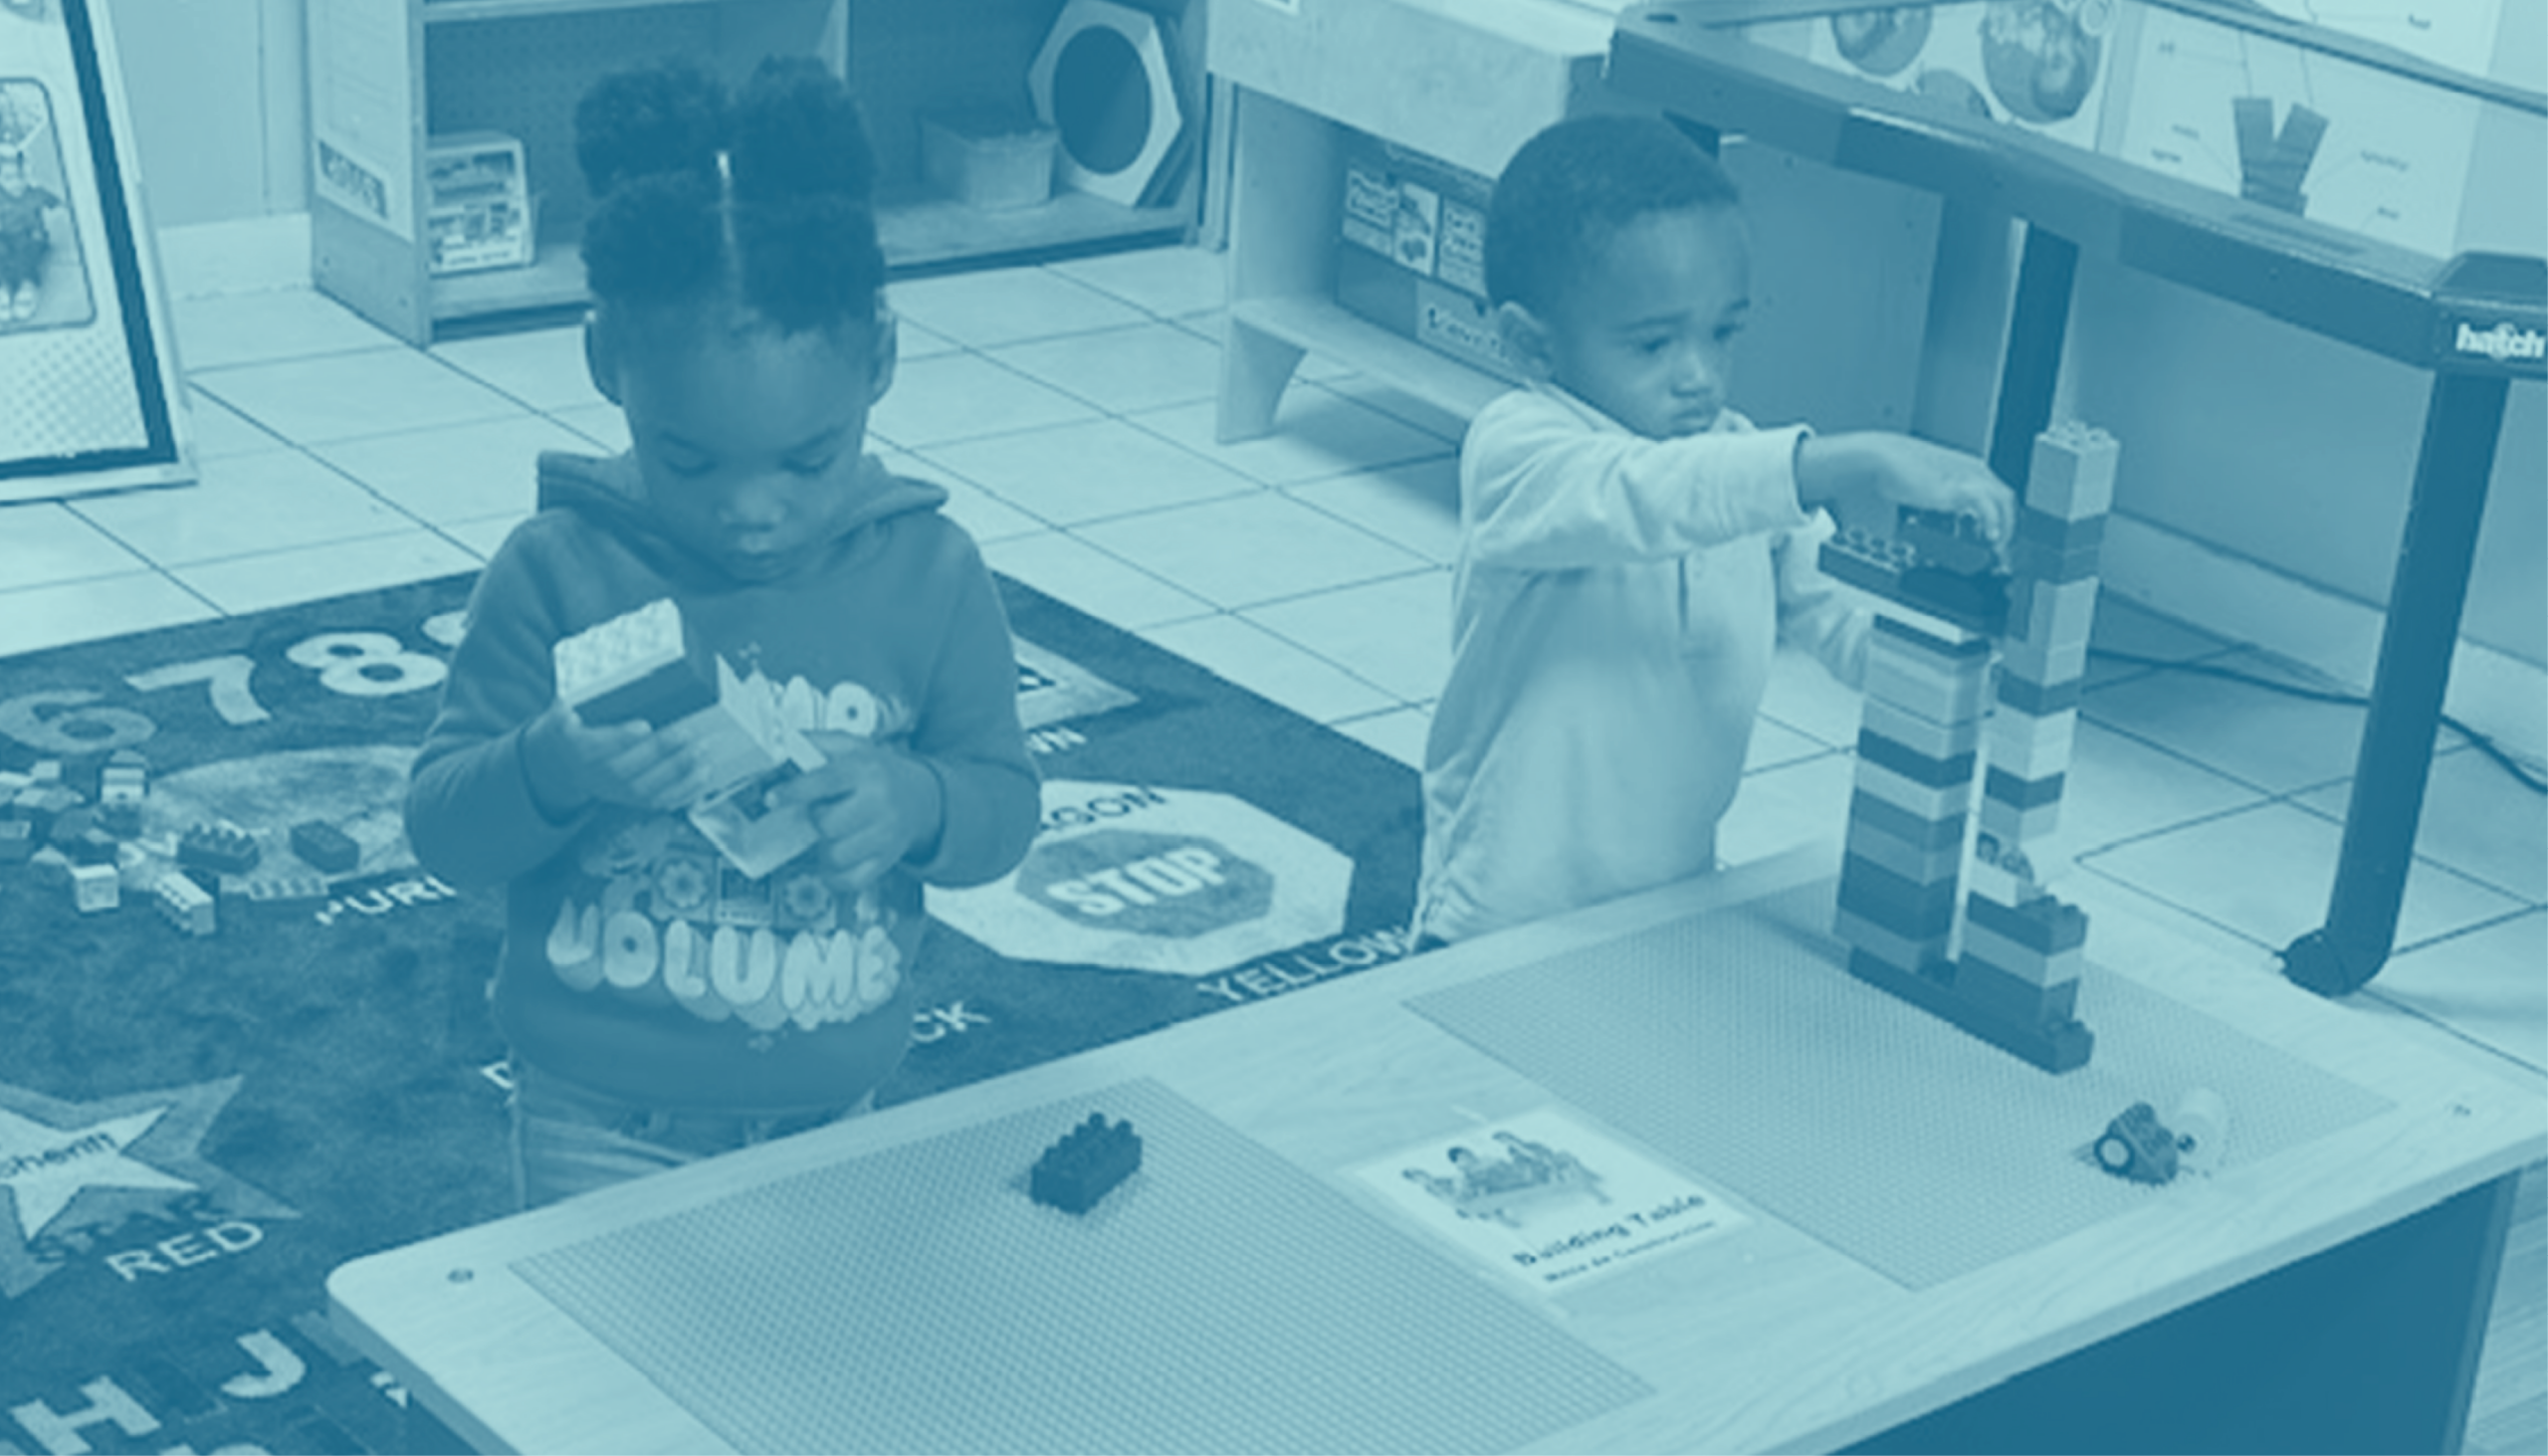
x: 387, y: 75
x: 1324, y: 328
x: 1297, y: 77
x: 922, y: 232
x: 552, y: 280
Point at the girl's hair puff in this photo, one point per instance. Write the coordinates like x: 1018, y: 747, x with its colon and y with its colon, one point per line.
x: 759, y: 202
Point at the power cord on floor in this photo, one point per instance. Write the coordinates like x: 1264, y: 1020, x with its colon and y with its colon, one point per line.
x: 2480, y: 741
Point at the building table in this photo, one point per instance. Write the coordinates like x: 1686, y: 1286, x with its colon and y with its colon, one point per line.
x: 1918, y: 1251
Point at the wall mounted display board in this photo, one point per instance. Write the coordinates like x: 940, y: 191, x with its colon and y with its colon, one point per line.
x: 90, y: 397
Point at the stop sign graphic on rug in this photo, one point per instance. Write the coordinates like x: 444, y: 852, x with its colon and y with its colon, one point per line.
x: 1180, y: 882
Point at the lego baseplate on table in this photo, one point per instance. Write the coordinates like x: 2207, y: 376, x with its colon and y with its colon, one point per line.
x: 1888, y: 1134
x: 1221, y: 1298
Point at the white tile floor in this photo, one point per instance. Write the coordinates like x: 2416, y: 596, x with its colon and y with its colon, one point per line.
x: 1068, y: 408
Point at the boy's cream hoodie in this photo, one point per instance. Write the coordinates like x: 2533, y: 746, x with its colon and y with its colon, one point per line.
x: 1615, y: 610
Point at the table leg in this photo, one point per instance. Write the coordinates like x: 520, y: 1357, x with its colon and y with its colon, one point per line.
x: 2457, y: 458
x: 2031, y: 365
x: 2371, y: 1345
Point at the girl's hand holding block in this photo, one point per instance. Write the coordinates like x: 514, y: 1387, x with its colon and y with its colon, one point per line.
x: 873, y: 807
x: 571, y: 764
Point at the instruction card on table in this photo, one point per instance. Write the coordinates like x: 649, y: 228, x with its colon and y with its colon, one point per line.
x: 1546, y: 1199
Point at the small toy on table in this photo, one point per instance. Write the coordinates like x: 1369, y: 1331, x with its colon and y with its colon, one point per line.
x: 2137, y: 1146
x: 1083, y: 1167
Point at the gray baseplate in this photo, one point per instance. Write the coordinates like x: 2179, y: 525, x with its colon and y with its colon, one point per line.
x: 1219, y: 1300
x: 1889, y: 1135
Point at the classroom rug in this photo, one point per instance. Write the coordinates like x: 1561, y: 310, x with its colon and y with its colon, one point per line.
x: 193, y: 1131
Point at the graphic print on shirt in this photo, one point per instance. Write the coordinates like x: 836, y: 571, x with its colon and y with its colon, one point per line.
x: 656, y: 914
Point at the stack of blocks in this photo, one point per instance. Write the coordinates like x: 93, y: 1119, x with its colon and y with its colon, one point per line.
x: 2004, y: 961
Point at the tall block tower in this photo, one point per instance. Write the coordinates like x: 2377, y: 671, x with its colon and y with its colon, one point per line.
x: 1941, y: 899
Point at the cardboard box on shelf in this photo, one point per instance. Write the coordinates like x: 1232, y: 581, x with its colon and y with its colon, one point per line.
x: 1411, y: 251
x: 478, y: 205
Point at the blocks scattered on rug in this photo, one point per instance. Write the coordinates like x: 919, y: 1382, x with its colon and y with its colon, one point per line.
x: 218, y: 849
x: 96, y: 888
x: 186, y: 904
x: 326, y: 848
x: 126, y: 778
x: 42, y: 802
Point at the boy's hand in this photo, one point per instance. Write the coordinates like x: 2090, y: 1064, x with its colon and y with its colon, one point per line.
x: 1899, y: 470
x: 571, y: 764
x: 873, y: 807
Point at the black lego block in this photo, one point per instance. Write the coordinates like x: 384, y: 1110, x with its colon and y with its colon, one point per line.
x: 2049, y: 532
x: 2056, y: 1049
x: 1911, y: 763
x: 2042, y: 563
x: 2005, y: 993
x: 220, y: 850
x: 1085, y: 1166
x: 1947, y: 542
x: 1976, y: 603
x: 2038, y: 701
x: 2043, y: 925
x: 1912, y: 911
x: 2022, y: 794
x: 324, y: 847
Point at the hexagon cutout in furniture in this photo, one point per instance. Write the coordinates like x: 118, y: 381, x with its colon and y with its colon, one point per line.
x: 1102, y: 82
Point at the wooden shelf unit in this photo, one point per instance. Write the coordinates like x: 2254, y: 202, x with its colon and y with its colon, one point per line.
x: 385, y: 75
x: 1494, y: 72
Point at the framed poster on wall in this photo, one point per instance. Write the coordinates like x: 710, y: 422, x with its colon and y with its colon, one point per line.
x: 90, y: 397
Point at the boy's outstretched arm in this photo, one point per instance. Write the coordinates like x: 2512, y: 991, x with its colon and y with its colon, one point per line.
x: 1876, y: 466
x: 1542, y: 492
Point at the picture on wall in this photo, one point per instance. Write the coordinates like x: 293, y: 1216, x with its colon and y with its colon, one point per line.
x: 44, y: 280
x: 90, y: 397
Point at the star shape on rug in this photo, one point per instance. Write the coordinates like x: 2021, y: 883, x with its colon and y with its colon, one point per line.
x: 75, y: 1169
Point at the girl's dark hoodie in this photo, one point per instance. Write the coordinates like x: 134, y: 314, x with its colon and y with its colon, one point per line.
x: 638, y: 962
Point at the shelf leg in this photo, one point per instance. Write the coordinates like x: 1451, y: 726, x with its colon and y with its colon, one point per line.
x: 1255, y: 369
x: 2440, y: 544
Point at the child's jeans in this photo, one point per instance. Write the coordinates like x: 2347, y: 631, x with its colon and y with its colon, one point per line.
x: 570, y: 1139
